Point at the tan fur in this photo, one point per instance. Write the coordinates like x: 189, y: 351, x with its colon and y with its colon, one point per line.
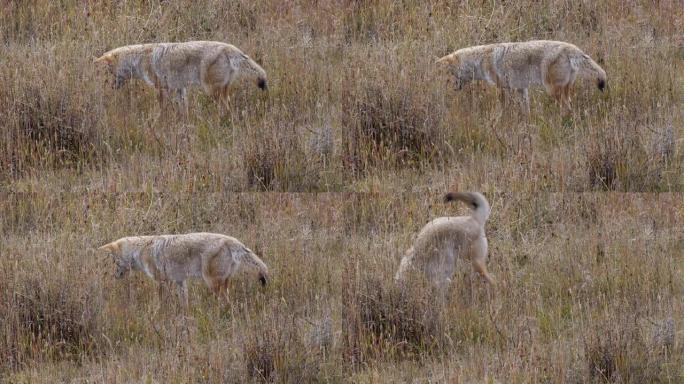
x: 555, y: 65
x: 175, y: 258
x: 444, y: 239
x: 173, y: 67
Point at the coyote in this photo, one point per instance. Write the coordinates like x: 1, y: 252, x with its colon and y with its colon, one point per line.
x: 173, y: 67
x: 175, y: 258
x: 444, y: 239
x: 552, y: 64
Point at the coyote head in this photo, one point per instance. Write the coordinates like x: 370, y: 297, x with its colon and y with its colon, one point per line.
x: 253, y: 264
x: 123, y: 264
x: 110, y: 63
x: 249, y: 68
x: 460, y: 72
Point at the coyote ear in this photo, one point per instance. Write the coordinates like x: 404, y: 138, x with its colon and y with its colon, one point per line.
x: 111, y: 247
x: 106, y: 59
x: 448, y: 59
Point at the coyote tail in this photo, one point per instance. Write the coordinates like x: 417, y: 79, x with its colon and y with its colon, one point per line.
x: 477, y: 203
x: 250, y: 258
x: 588, y: 68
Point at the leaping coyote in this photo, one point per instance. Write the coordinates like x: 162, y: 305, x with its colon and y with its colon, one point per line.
x: 445, y: 239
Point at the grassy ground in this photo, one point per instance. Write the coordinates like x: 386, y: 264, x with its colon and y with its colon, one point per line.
x: 328, y: 176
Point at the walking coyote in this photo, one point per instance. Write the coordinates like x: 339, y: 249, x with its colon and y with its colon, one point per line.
x: 173, y: 67
x: 175, y: 258
x: 444, y: 239
x: 552, y: 64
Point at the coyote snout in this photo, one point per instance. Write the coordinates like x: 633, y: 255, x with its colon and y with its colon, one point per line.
x: 601, y: 85
x: 262, y: 84
x: 212, y: 257
x: 263, y: 279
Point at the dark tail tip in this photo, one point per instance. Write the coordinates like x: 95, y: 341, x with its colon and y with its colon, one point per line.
x: 263, y: 280
x: 262, y: 84
x: 601, y: 84
x: 449, y: 197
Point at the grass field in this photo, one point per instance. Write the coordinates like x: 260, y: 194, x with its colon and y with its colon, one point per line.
x: 328, y: 176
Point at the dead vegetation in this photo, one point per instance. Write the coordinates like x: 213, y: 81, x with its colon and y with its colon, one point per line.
x: 329, y: 175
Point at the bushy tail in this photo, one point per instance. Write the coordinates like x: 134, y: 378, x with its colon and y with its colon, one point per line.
x: 250, y: 258
x: 589, y: 69
x: 476, y: 201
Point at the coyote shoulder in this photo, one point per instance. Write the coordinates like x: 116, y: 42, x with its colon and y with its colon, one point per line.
x: 211, y: 257
x: 555, y: 65
x: 174, y: 67
x: 444, y: 240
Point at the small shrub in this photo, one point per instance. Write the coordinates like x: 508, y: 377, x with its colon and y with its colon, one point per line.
x: 619, y: 160
x: 276, y: 160
x: 275, y: 351
x: 619, y: 352
x: 48, y: 320
x: 46, y: 127
x: 388, y: 320
x: 390, y: 125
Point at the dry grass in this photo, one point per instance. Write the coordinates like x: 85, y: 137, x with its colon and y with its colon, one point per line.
x: 586, y: 233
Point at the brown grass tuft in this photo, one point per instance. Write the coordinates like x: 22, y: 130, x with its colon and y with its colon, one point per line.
x: 357, y: 109
x: 47, y: 128
x: 389, y: 124
x: 276, y: 350
x: 45, y: 319
x: 620, y: 351
x: 391, y: 319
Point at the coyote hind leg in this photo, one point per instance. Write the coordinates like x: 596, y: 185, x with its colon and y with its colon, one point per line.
x: 182, y: 290
x: 481, y: 268
x: 220, y: 289
x: 181, y: 101
x: 566, y: 98
x: 225, y: 98
x: 525, y: 100
x: 221, y: 95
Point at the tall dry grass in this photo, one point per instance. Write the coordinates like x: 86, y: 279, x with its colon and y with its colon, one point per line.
x: 328, y: 176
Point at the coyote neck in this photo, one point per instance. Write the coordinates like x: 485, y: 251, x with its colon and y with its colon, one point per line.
x: 473, y: 68
x: 129, y: 66
x: 248, y: 257
x: 250, y: 67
